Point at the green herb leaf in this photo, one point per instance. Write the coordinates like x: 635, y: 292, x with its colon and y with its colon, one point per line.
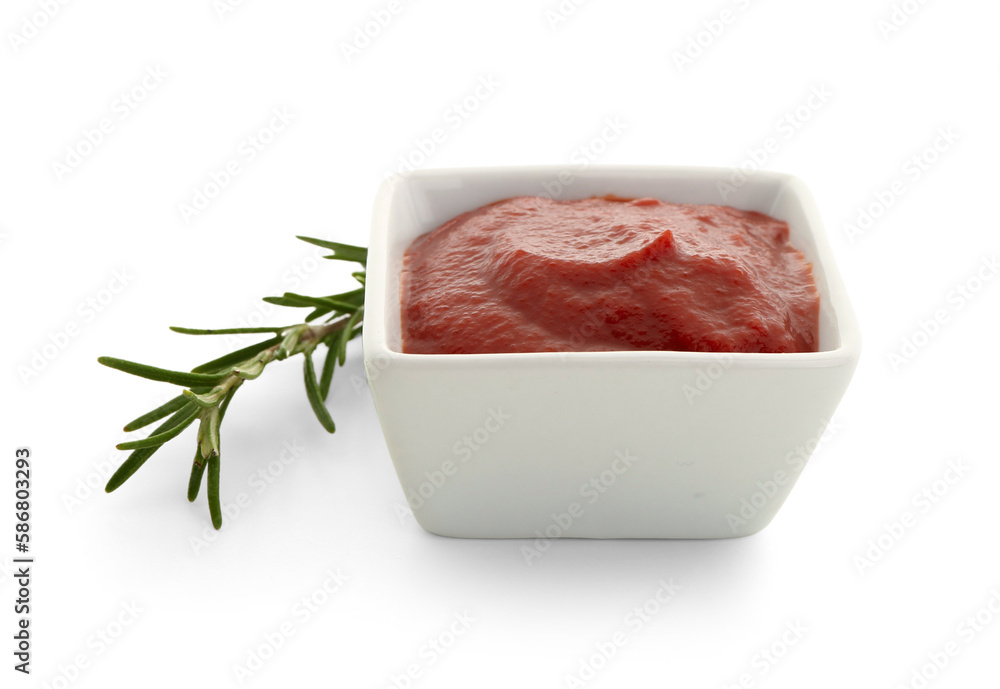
x: 225, y: 331
x: 214, y: 505
x: 139, y: 457
x: 131, y: 465
x: 322, y: 304
x: 355, y: 296
x: 326, y: 377
x: 225, y: 404
x: 160, y: 412
x: 346, y: 335
x: 197, y: 470
x: 237, y: 357
x: 341, y: 252
x: 315, y: 398
x: 157, y: 439
x: 161, y: 374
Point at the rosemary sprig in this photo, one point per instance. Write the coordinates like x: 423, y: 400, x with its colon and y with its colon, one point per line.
x: 209, y: 388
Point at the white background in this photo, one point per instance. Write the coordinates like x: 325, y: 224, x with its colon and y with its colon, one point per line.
x: 202, y: 609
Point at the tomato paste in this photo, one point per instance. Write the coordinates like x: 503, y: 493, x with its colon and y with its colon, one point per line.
x: 530, y: 274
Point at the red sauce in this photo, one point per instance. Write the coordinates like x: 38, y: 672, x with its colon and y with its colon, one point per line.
x: 529, y: 274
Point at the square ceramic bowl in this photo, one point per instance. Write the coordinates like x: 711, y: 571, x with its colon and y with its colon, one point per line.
x: 598, y: 444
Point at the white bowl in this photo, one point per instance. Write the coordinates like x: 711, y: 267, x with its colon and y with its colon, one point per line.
x: 598, y: 444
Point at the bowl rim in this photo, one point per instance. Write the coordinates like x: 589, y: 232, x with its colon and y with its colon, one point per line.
x: 374, y: 334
